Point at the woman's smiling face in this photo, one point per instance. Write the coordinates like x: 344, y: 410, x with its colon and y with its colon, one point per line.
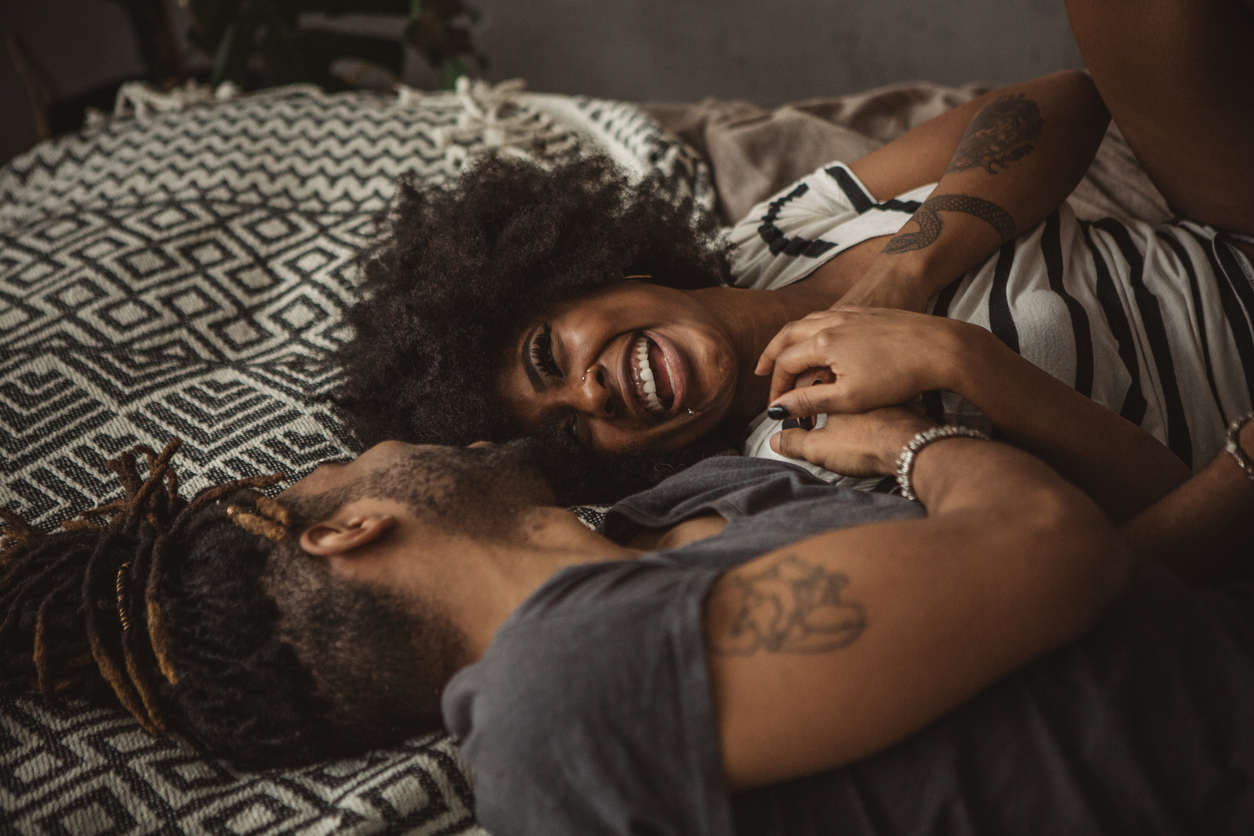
x: 630, y: 366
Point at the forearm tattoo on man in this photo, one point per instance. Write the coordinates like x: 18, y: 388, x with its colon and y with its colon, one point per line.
x: 999, y: 134
x: 792, y: 607
x: 928, y: 218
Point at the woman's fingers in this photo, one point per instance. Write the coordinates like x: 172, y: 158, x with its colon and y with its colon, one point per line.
x: 815, y: 377
x: 798, y: 366
x: 812, y: 400
x: 783, y: 381
x: 796, y: 332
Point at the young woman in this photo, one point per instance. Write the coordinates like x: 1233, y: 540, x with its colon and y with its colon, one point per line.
x: 542, y: 301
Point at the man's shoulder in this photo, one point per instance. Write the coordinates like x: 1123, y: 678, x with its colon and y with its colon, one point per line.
x: 743, y: 487
x: 710, y: 478
x: 578, y: 638
x: 585, y: 684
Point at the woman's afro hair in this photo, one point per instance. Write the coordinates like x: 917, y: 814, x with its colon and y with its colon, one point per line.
x: 464, y: 267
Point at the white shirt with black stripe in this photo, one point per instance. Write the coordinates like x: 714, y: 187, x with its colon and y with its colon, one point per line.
x: 1154, y: 321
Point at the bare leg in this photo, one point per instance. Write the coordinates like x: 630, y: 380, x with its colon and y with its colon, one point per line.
x: 1178, y: 78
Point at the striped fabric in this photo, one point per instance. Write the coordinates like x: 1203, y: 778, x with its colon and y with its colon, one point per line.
x: 1156, y: 322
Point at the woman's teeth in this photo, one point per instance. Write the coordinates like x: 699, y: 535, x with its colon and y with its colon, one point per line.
x: 652, y: 403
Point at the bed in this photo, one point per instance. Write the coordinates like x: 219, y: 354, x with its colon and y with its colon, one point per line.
x: 180, y: 268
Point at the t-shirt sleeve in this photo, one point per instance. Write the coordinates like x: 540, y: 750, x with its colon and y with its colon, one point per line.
x: 791, y: 234
x: 591, y: 713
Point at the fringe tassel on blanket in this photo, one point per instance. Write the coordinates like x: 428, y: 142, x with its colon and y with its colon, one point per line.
x: 493, y: 118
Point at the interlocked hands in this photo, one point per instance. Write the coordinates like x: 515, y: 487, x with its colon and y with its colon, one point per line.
x: 852, y: 363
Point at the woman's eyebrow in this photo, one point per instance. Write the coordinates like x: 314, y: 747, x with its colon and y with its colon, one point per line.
x: 524, y: 357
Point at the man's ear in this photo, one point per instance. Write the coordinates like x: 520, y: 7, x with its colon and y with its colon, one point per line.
x: 340, y: 537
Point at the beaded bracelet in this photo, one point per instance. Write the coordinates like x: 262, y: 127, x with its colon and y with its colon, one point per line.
x: 905, y: 461
x: 1234, y: 446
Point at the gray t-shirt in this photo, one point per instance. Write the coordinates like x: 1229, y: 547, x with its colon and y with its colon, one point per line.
x: 590, y: 713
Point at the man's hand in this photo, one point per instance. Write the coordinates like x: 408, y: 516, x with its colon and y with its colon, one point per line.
x: 867, y: 444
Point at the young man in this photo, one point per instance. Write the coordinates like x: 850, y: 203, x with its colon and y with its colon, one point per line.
x: 742, y: 626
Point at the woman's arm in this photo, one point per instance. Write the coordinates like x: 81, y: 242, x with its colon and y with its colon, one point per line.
x: 882, y: 357
x: 1004, y: 161
x: 843, y: 644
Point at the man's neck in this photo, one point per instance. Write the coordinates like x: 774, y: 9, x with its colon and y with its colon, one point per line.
x: 494, y: 579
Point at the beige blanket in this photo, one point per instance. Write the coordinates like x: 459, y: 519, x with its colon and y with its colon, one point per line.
x: 755, y: 152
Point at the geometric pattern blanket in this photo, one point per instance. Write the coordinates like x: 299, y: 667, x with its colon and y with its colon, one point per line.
x: 184, y: 273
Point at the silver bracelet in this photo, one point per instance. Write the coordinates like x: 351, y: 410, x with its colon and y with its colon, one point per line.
x: 1234, y: 446
x: 905, y: 461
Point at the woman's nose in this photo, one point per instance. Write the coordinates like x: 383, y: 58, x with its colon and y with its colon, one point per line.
x: 593, y: 395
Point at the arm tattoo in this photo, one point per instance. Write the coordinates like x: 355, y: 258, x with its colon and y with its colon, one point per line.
x: 999, y: 134
x: 928, y: 218
x: 792, y: 607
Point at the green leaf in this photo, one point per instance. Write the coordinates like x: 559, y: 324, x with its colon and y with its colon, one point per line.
x: 451, y: 70
x: 227, y: 59
x: 242, y: 35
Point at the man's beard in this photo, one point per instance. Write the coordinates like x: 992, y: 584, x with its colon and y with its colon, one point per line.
x: 475, y: 491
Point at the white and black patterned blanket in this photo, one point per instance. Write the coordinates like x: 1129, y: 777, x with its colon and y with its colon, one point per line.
x: 184, y: 275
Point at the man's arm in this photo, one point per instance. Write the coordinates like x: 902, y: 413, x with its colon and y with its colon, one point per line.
x: 1203, y: 530
x: 1004, y: 161
x: 876, y: 357
x: 845, y: 643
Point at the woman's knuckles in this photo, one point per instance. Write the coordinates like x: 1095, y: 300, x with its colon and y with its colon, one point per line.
x: 827, y: 338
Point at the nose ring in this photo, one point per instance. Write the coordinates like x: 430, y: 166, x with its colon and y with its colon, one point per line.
x: 585, y: 374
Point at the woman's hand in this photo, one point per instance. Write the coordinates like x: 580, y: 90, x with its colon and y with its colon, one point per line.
x: 882, y: 357
x: 867, y: 444
x: 876, y: 357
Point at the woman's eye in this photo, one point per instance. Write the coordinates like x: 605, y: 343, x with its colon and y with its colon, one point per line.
x: 542, y: 352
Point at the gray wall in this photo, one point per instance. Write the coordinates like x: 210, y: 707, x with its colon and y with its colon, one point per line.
x: 82, y: 44
x: 661, y: 50
x: 771, y: 51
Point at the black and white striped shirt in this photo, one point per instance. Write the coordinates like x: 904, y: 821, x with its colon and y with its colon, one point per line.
x: 1152, y: 321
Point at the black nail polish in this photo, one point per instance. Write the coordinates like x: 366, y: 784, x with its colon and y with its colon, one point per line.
x: 790, y: 424
x: 777, y: 412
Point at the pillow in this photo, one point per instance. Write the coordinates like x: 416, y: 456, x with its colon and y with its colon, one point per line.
x: 85, y: 770
x: 183, y: 272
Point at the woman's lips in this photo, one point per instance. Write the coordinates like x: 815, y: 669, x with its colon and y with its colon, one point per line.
x: 657, y: 375
x: 678, y: 371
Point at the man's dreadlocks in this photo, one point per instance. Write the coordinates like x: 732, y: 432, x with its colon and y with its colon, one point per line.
x: 168, y: 608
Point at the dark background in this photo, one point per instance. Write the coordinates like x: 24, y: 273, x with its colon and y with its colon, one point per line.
x: 660, y: 50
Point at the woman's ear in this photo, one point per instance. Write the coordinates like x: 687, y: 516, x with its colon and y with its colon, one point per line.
x: 341, y: 537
